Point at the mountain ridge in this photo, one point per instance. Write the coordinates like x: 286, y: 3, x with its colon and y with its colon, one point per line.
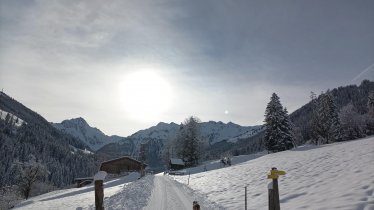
x: 91, y: 136
x: 96, y: 139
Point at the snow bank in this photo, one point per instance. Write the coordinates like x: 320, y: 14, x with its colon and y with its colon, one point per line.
x: 133, y: 196
x: 335, y: 176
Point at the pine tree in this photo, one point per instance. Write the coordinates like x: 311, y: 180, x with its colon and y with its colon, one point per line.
x: 329, y: 129
x: 370, y: 104
x: 188, y: 141
x: 278, y: 128
x: 314, y: 118
x: 287, y: 128
x: 369, y: 117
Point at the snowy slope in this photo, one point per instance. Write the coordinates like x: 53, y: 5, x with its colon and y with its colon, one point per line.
x: 76, y: 198
x: 80, y: 129
x: 335, y: 176
x: 17, y: 121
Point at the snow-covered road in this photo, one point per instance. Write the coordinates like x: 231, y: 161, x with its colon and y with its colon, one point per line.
x: 169, y: 194
x: 166, y: 195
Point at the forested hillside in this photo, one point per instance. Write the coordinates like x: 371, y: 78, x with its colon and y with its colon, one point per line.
x: 37, y: 142
x: 354, y: 116
x: 351, y: 97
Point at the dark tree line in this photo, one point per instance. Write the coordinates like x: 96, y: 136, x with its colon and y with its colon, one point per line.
x: 341, y: 114
x: 338, y: 115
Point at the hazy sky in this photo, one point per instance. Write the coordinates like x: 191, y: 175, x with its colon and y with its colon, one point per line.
x: 127, y: 65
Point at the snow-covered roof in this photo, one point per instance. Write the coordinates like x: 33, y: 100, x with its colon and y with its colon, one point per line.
x: 122, y: 158
x: 176, y: 161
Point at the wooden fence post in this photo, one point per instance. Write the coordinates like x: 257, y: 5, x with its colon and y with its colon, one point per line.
x: 245, y: 194
x: 99, y: 189
x: 271, y: 196
x: 195, y: 206
x: 274, y: 190
x: 276, y: 194
x: 99, y: 195
x: 189, y: 174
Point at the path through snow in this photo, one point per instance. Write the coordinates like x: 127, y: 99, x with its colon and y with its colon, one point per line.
x: 169, y: 194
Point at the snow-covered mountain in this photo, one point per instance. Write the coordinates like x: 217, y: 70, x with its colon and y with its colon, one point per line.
x: 211, y: 131
x: 218, y: 131
x: 93, y: 137
x: 156, y: 137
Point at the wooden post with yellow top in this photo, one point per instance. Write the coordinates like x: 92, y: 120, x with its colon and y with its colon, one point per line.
x: 273, y: 189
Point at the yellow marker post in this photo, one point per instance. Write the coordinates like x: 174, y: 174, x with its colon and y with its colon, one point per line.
x: 274, y: 191
x: 274, y: 173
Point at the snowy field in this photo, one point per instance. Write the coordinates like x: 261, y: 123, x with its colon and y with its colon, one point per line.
x: 76, y: 198
x: 336, y: 176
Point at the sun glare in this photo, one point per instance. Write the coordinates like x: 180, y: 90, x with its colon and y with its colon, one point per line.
x: 145, y: 95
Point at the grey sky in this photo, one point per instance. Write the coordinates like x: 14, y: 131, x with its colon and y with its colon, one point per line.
x: 64, y: 59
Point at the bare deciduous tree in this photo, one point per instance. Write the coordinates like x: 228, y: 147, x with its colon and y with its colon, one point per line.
x: 29, y: 173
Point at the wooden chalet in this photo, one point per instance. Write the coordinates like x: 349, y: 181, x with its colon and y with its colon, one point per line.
x: 121, y: 165
x: 176, y: 164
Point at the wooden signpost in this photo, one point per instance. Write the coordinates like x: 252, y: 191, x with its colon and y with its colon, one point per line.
x: 195, y: 206
x: 273, y: 189
x: 99, y: 189
x: 245, y: 195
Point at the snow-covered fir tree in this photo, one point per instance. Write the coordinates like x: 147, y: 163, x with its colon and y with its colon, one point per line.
x: 329, y: 129
x: 314, y: 118
x: 371, y: 104
x: 278, y: 129
x: 287, y: 128
x: 369, y: 117
x: 188, y: 141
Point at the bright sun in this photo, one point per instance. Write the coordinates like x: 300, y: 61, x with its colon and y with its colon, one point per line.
x: 145, y: 95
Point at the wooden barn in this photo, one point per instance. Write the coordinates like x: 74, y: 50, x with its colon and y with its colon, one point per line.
x: 176, y: 164
x: 121, y: 165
